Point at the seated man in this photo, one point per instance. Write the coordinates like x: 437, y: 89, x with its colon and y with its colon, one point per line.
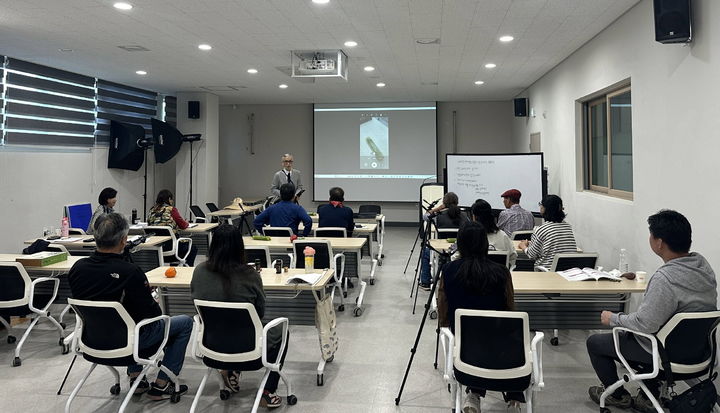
x: 685, y: 283
x: 285, y: 213
x: 514, y: 217
x: 107, y: 276
x: 334, y: 214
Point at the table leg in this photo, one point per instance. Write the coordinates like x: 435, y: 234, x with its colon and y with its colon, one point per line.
x: 319, y: 296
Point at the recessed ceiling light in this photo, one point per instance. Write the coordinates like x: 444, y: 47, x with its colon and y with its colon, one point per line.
x: 122, y: 6
x: 141, y: 72
x: 368, y: 68
x: 479, y: 82
x: 283, y: 86
x: 252, y: 71
x: 321, y: 1
x: 507, y: 39
x: 381, y: 84
x: 490, y: 65
x: 204, y: 47
x: 350, y: 43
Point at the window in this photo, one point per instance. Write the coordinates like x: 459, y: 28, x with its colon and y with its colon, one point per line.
x: 608, y: 143
x: 123, y: 104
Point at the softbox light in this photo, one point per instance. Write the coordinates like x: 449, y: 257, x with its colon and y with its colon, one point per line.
x: 125, y: 152
x: 167, y: 140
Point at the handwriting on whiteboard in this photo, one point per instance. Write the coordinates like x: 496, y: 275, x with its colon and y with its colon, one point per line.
x: 469, y: 173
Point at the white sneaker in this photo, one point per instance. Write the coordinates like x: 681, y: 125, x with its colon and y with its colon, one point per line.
x: 472, y: 403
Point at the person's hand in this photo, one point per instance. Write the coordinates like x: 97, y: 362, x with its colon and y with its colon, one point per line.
x: 605, y: 317
x: 523, y: 244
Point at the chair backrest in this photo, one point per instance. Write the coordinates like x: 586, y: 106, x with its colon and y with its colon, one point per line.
x: 163, y: 231
x: 212, y: 207
x: 230, y: 332
x: 500, y: 257
x: 689, y: 340
x: 445, y: 233
x: 57, y: 248
x: 492, y: 344
x: 258, y: 252
x: 331, y: 232
x: 277, y: 231
x: 565, y: 261
x: 197, y: 211
x: 14, y: 285
x: 370, y: 209
x: 323, y: 253
x: 106, y: 330
x: 76, y: 231
x: 521, y: 235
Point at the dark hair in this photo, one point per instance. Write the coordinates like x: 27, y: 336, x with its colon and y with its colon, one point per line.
x: 450, y: 202
x: 287, y: 192
x: 673, y: 228
x: 164, y: 197
x: 482, y: 212
x: 105, y: 194
x: 477, y: 273
x: 337, y: 194
x: 110, y: 229
x: 553, y: 208
x: 226, y: 255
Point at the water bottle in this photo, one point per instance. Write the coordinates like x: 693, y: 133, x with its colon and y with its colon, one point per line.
x: 65, y: 227
x: 134, y: 216
x: 623, y: 265
x: 257, y: 265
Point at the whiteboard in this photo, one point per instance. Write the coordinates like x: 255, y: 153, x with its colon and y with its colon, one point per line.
x: 487, y: 176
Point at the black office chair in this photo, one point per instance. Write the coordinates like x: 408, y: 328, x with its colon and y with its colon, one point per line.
x: 262, y: 253
x: 170, y: 248
x: 230, y: 336
x: 106, y: 335
x: 445, y: 233
x: 492, y: 350
x: 198, y: 212
x: 690, y: 346
x: 18, y: 298
x: 212, y: 207
x: 277, y: 231
x: 331, y: 232
x: 521, y: 235
x: 370, y: 209
x: 324, y: 258
x: 565, y: 261
x: 500, y: 257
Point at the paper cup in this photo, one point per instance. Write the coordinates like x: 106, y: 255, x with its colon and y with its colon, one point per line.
x: 640, y: 276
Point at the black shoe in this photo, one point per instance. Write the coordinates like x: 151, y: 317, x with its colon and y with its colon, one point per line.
x: 142, y: 387
x: 158, y: 393
x: 624, y: 401
x: 425, y: 287
x: 642, y: 404
x: 350, y: 284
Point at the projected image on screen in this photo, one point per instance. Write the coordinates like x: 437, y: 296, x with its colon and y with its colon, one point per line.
x: 374, y: 142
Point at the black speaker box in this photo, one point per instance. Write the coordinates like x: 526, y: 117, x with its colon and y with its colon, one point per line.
x: 673, y: 21
x: 194, y: 109
x: 521, y: 107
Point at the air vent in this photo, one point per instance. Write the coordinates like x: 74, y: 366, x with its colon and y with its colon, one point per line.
x: 134, y: 48
x: 428, y: 40
x: 429, y: 83
x: 288, y: 71
x: 222, y: 88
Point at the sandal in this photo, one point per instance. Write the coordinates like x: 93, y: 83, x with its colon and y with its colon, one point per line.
x: 231, y: 380
x: 270, y: 400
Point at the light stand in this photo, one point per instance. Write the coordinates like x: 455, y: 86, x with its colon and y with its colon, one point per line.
x: 145, y: 144
x: 444, y: 258
x: 191, y: 138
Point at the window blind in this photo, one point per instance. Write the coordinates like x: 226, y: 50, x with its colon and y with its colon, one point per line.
x: 123, y: 104
x: 2, y: 99
x: 47, y: 106
x: 171, y: 110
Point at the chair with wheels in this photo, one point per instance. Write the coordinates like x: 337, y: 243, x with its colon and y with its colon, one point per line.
x: 368, y: 209
x: 521, y: 235
x: 683, y: 349
x: 170, y: 248
x: 500, y: 257
x: 445, y: 233
x: 277, y: 231
x: 18, y: 298
x: 76, y: 231
x: 230, y: 336
x: 331, y: 232
x: 324, y: 258
x: 262, y: 253
x: 106, y: 335
x: 492, y: 350
x: 198, y: 213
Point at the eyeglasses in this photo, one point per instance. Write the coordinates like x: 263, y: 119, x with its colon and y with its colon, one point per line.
x: 286, y: 161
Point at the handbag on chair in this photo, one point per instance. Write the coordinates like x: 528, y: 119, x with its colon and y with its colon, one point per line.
x: 700, y: 398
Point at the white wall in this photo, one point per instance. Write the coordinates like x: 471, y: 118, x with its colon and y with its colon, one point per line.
x: 36, y: 184
x: 675, y: 132
x: 481, y: 127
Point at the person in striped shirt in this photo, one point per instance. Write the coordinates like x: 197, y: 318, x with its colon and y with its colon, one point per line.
x: 554, y: 236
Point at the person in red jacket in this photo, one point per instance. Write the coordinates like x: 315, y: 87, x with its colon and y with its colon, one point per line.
x: 164, y: 213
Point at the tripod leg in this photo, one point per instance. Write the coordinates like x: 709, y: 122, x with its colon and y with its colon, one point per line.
x: 412, y: 251
x: 66, y: 375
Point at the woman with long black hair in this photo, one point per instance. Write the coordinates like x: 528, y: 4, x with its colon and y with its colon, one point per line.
x: 477, y: 283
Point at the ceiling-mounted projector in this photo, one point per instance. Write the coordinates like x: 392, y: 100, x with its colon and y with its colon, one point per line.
x: 319, y: 63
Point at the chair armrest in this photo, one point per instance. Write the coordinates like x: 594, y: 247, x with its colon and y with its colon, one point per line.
x: 283, y: 343
x: 655, y: 353
x: 183, y: 239
x: 77, y: 334
x: 536, y: 348
x: 34, y: 283
x: 542, y: 269
x: 275, y: 262
x: 196, y: 337
x: 292, y: 259
x: 136, y: 345
x: 339, y: 275
x: 447, y: 339
x: 200, y: 219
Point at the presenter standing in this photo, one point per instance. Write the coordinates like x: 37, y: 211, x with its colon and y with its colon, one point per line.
x: 287, y: 175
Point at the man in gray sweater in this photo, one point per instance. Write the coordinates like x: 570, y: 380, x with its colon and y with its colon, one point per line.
x: 684, y: 283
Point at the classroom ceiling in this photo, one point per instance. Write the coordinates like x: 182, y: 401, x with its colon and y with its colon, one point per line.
x: 259, y: 34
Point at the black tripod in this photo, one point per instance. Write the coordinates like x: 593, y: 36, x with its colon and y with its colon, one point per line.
x: 420, y: 231
x: 425, y: 233
x: 444, y: 258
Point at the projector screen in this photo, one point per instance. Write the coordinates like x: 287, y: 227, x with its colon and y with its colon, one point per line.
x: 375, y: 152
x: 488, y: 176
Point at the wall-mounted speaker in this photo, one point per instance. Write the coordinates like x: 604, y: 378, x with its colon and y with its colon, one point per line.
x: 521, y: 107
x: 673, y: 21
x: 194, y: 109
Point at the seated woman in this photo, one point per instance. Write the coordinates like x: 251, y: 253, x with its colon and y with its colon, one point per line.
x: 554, y: 236
x: 107, y: 200
x: 498, y: 240
x: 163, y: 213
x: 477, y: 283
x: 225, y: 276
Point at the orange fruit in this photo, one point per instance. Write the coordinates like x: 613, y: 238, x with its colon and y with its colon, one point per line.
x: 170, y: 272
